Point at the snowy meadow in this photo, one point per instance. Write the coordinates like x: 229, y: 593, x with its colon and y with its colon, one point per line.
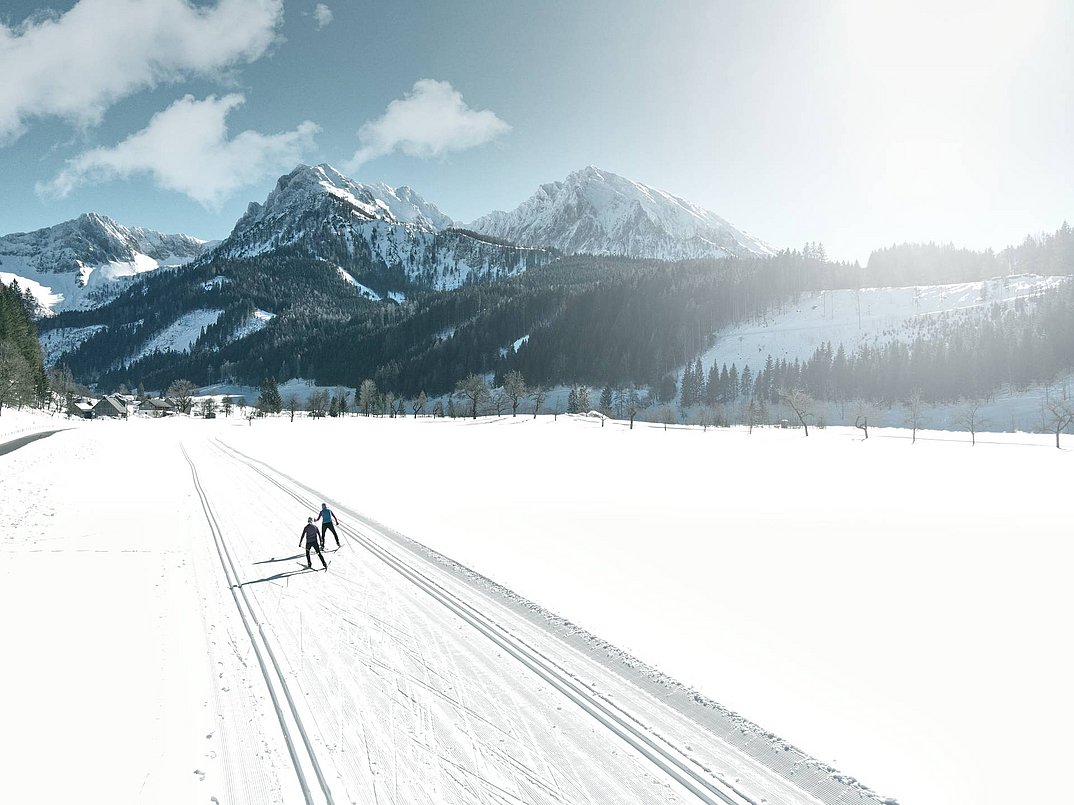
x: 896, y: 609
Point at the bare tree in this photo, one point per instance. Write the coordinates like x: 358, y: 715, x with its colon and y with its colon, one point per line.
x: 633, y: 404
x: 473, y: 388
x: 667, y: 415
x: 499, y: 401
x: 183, y: 392
x: 16, y: 377
x: 751, y: 415
x: 208, y: 406
x: 914, y: 410
x: 970, y: 418
x: 367, y: 397
x: 418, y: 404
x: 226, y: 405
x: 799, y: 402
x: 291, y: 405
x: 317, y: 403
x: 514, y: 386
x: 1062, y: 415
x: 63, y: 386
x: 862, y: 424
x: 539, y: 395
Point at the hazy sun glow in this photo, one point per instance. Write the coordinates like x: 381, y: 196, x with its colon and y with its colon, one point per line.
x: 930, y: 89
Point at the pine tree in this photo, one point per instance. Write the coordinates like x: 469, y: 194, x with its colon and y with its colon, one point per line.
x: 745, y: 383
x: 606, y: 401
x: 269, y: 402
x: 712, y: 386
x: 686, y: 387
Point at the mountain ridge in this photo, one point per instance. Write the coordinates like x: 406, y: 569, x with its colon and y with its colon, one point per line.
x: 597, y: 212
x: 89, y: 260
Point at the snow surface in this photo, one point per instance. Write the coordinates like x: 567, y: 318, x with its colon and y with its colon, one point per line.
x: 181, y: 334
x: 257, y: 320
x: 54, y: 343
x: 873, y: 316
x: 364, y: 290
x: 899, y: 610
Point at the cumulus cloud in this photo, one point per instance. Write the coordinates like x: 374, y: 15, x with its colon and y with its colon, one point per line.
x: 186, y: 148
x: 432, y: 120
x: 322, y: 14
x: 76, y: 65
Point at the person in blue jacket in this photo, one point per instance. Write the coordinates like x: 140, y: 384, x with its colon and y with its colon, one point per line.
x: 313, y: 542
x: 328, y: 523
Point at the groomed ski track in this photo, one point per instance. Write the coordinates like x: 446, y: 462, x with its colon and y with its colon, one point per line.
x: 275, y: 680
x: 395, y: 681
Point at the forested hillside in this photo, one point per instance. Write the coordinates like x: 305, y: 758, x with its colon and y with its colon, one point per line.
x: 602, y: 321
x: 22, y: 374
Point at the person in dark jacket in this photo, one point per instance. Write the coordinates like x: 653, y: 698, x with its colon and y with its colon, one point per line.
x: 313, y: 542
x: 328, y: 517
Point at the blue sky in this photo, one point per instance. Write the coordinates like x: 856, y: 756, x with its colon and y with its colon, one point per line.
x: 850, y: 123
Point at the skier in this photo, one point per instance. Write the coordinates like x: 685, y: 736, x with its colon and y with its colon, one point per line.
x: 327, y: 519
x: 313, y: 541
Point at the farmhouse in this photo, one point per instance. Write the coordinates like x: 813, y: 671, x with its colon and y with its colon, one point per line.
x: 110, y: 406
x: 81, y: 407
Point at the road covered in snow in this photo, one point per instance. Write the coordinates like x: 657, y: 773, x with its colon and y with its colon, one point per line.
x: 164, y: 641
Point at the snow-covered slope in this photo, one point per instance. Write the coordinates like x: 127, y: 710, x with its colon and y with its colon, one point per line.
x: 319, y: 212
x: 871, y: 316
x: 88, y: 261
x: 597, y: 212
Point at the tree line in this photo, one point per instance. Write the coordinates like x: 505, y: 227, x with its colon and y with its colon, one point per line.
x: 22, y: 372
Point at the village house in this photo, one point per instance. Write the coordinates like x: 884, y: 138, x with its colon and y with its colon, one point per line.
x: 156, y: 406
x: 81, y: 407
x: 110, y: 406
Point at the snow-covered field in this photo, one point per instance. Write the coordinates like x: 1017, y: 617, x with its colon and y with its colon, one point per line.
x: 897, y: 610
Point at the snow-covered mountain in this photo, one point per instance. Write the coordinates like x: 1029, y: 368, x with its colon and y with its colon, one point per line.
x: 596, y: 212
x: 88, y: 261
x: 318, y: 212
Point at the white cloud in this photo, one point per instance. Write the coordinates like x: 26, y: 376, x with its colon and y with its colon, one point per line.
x: 186, y: 148
x: 432, y: 120
x: 76, y: 65
x: 323, y: 15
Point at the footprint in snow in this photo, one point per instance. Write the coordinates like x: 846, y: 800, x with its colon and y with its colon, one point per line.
x: 200, y: 773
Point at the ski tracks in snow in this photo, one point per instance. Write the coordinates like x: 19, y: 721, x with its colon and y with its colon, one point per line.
x: 305, y: 764
x: 407, y: 683
x: 414, y: 692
